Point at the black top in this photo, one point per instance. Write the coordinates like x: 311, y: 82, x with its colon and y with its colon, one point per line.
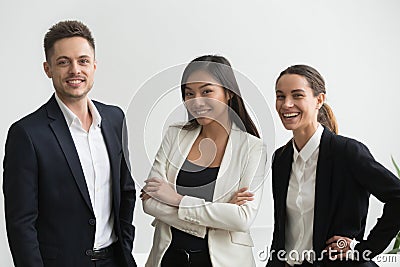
x: 197, y: 181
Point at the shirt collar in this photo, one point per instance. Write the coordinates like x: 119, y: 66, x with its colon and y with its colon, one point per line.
x: 310, y: 147
x: 70, y: 117
x: 95, y: 113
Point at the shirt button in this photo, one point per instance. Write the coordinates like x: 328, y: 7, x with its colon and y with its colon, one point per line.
x: 92, y: 222
x: 89, y: 252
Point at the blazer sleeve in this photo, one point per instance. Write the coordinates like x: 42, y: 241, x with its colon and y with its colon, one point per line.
x: 20, y: 187
x: 229, y: 216
x: 383, y: 185
x: 162, y: 211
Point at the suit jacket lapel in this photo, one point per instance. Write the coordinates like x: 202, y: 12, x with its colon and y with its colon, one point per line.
x: 114, y: 149
x: 224, y: 181
x: 322, y: 192
x: 61, y: 131
x: 183, y: 145
x: 283, y: 170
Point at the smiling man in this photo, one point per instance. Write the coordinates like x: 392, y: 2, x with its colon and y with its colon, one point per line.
x: 69, y: 195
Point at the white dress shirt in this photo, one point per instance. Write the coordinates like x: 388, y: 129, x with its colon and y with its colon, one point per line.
x: 95, y: 163
x: 300, y: 201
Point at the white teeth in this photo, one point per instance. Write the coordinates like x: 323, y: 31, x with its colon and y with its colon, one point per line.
x: 75, y: 81
x: 289, y: 115
x: 201, y: 112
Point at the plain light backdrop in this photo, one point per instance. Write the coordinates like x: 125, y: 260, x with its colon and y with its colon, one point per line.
x: 354, y: 44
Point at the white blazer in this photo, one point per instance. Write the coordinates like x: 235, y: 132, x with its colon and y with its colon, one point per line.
x: 229, y: 240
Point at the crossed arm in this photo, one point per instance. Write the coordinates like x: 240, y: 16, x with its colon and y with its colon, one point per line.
x: 195, y: 215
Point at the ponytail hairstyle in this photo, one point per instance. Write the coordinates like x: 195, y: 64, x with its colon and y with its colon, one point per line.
x: 220, y: 69
x: 317, y: 84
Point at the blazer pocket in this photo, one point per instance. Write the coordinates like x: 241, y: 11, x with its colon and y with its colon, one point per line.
x: 241, y: 238
x: 48, y: 252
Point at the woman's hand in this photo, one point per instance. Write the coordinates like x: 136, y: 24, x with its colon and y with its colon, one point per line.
x: 162, y: 191
x: 338, y: 248
x: 242, y: 196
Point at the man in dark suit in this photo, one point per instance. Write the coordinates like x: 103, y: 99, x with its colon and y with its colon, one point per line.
x: 69, y: 195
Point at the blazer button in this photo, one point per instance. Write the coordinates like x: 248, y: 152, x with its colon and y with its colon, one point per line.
x: 92, y: 222
x: 89, y: 252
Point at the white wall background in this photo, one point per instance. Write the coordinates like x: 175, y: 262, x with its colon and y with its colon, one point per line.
x: 354, y: 44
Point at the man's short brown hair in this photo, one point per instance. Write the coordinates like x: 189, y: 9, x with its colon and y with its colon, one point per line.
x: 66, y: 29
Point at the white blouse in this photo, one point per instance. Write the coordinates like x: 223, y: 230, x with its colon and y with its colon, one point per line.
x: 300, y: 201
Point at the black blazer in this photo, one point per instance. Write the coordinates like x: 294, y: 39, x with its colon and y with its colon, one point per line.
x: 346, y: 176
x: 49, y: 216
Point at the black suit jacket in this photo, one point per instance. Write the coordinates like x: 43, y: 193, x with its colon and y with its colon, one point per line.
x: 49, y: 216
x: 346, y: 176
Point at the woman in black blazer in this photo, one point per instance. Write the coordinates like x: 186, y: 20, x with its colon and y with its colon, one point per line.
x: 322, y: 182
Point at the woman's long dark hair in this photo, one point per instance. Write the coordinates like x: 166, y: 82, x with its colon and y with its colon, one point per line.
x: 220, y: 69
x: 317, y: 84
